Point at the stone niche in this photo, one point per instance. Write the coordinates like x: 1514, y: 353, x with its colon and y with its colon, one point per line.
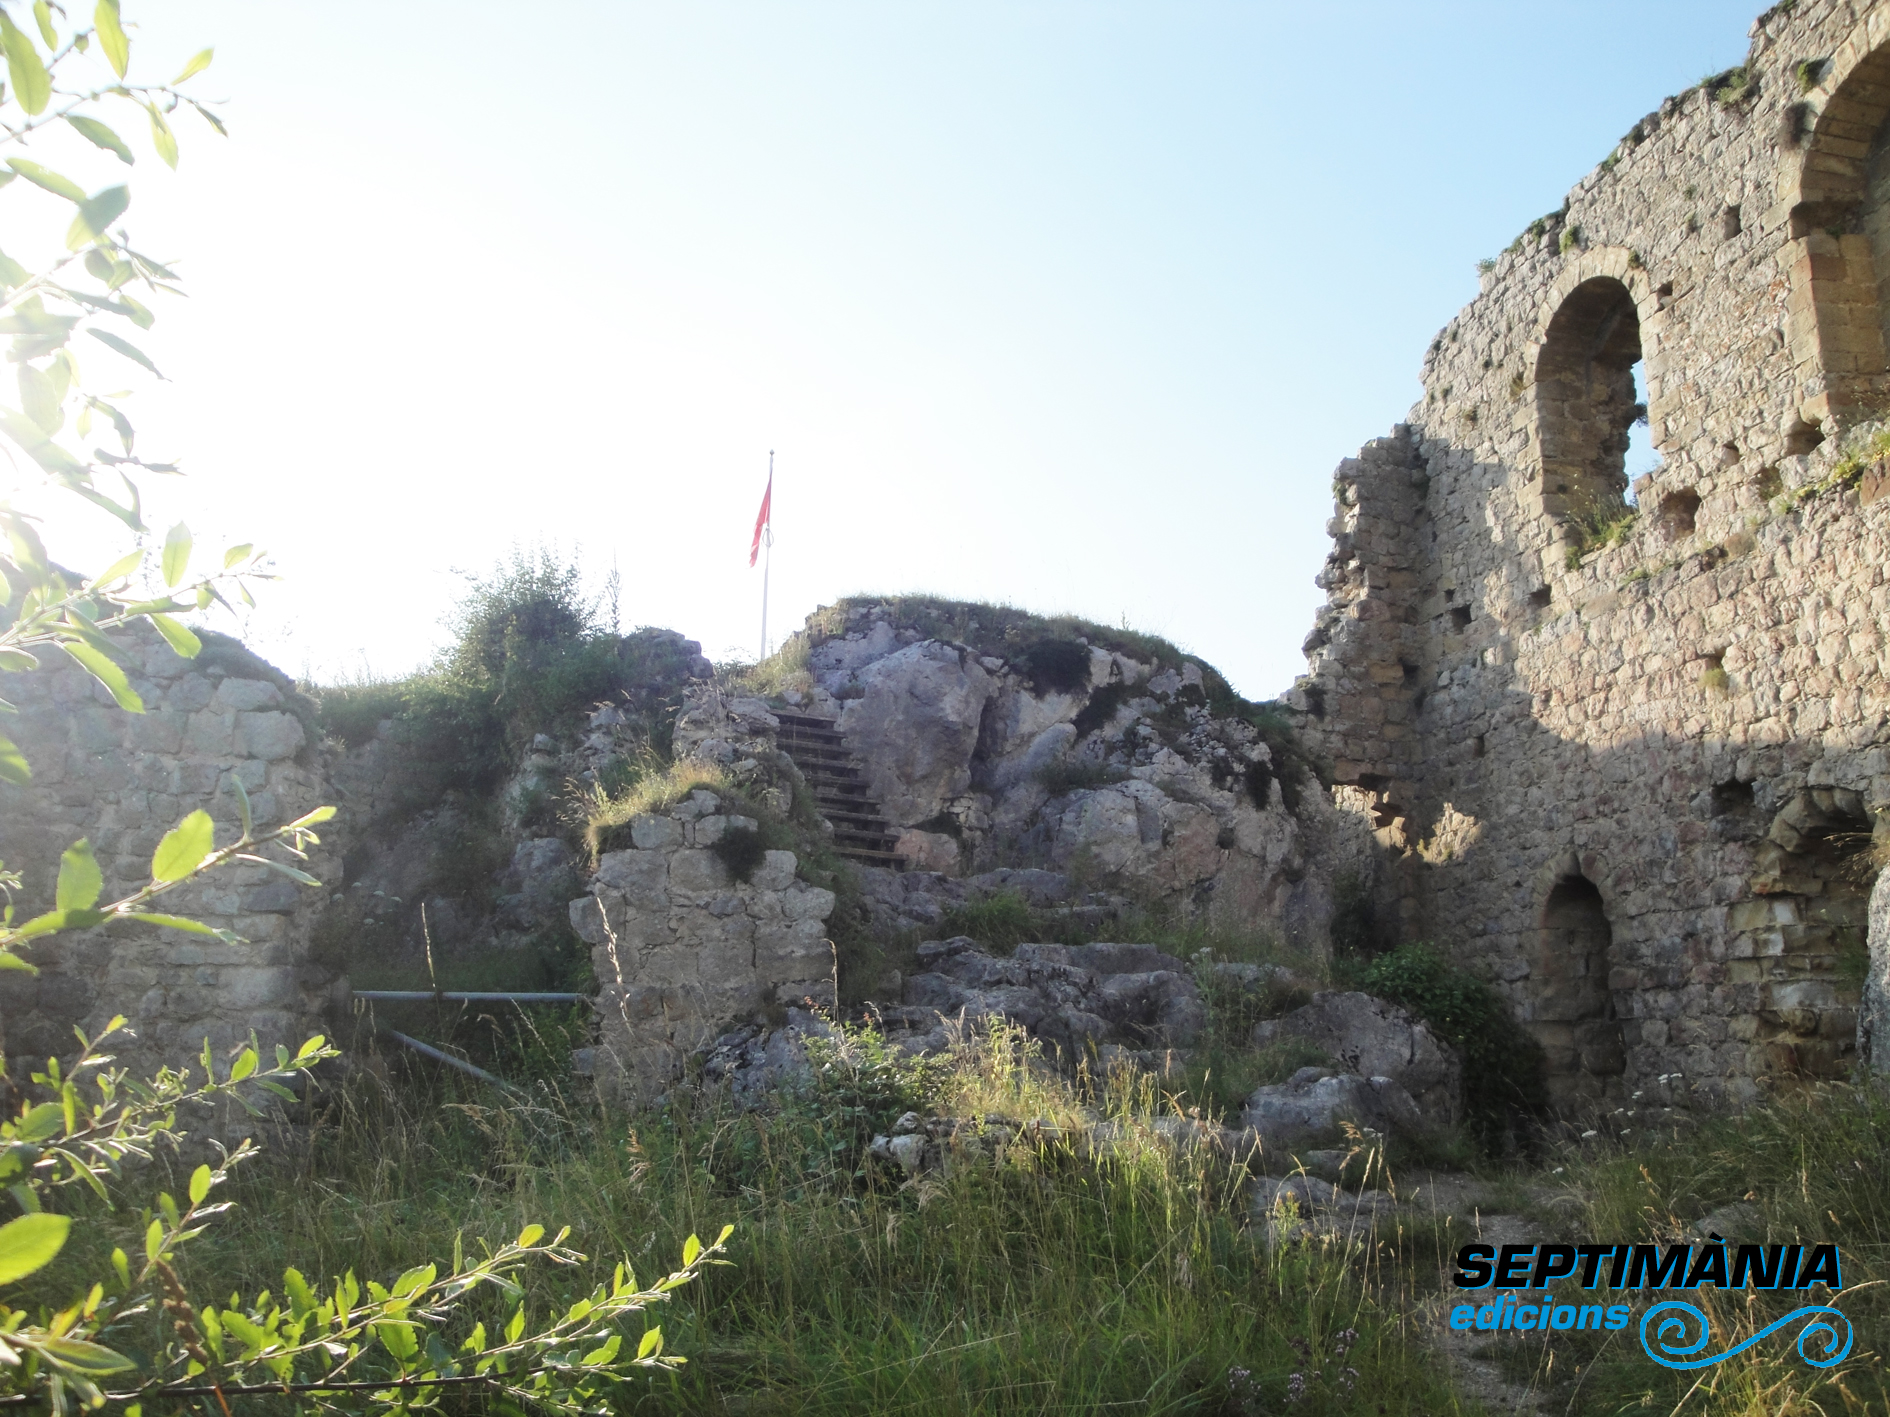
x: 683, y: 949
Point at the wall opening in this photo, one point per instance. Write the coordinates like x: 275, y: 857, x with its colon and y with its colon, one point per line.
x: 1587, y: 402
x: 1574, y: 1008
x: 1678, y: 511
x: 1815, y: 868
x: 1843, y: 221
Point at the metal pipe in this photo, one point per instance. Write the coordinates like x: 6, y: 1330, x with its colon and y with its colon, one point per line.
x: 461, y: 996
x: 428, y: 1050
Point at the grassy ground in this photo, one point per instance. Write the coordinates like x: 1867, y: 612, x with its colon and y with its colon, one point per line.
x: 1044, y: 1282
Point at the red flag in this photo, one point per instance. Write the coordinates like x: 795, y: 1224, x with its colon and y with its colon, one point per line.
x: 761, y: 520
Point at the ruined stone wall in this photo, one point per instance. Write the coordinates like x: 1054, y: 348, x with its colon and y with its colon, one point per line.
x: 683, y: 949
x: 121, y: 780
x: 1627, y: 769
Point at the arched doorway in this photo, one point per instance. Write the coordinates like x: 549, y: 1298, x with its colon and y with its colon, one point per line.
x: 1574, y: 1009
x: 1587, y: 402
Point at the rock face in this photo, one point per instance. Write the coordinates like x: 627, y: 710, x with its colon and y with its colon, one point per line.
x: 1621, y: 757
x: 682, y: 949
x: 1076, y: 997
x: 1060, y: 755
x: 1375, y: 1039
x: 1873, y: 1018
x: 121, y: 780
x: 1314, y: 1103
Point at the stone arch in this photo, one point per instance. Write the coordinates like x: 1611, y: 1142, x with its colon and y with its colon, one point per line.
x: 1839, y: 199
x: 1591, y: 333
x: 1574, y: 1014
x: 1812, y: 877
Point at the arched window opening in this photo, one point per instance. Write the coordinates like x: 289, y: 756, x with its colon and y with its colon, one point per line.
x: 1816, y: 868
x: 1588, y: 403
x: 1841, y: 332
x: 1574, y: 1008
x: 1642, y: 460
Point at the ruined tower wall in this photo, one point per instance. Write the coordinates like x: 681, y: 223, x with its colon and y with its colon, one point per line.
x: 1627, y: 769
x: 121, y: 780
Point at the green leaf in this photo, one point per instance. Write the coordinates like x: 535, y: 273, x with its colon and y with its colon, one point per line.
x: 210, y: 118
x: 45, y: 177
x: 30, y: 1243
x: 80, y: 879
x: 42, y: 15
x: 13, y: 765
x: 107, y: 673
x: 397, y: 1338
x: 89, y: 1360
x: 242, y: 806
x: 236, y: 554
x: 178, y: 636
x: 40, y: 400
x: 199, y: 1184
x: 75, y: 1355
x: 111, y: 36
x: 314, y: 818
x: 416, y: 1278
x: 601, y: 1357
x: 96, y: 214
x: 198, y: 63
x: 244, y: 1065
x: 162, y: 138
x: 32, y: 85
x: 178, y: 922
x: 100, y: 135
x: 118, y: 570
x: 651, y: 1343
x: 183, y: 848
x: 124, y: 347
x: 530, y: 1236
x: 176, y: 554
x: 312, y: 1046
x: 515, y: 1325
x: 40, y: 1123
x: 690, y: 1249
x: 12, y: 273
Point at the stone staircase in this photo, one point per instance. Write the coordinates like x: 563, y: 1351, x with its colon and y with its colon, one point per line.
x: 860, y: 833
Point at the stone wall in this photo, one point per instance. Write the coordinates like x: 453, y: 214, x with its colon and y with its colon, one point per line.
x: 1629, y: 769
x: 683, y: 949
x: 121, y: 780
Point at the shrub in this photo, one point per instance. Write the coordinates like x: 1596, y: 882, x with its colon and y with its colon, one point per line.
x: 1000, y: 922
x: 741, y: 850
x: 1503, y: 1081
x: 1061, y: 775
x: 1100, y: 707
x: 1056, y: 666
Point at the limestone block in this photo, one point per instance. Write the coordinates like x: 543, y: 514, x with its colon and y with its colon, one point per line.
x: 640, y: 877
x: 269, y: 734
x: 804, y: 902
x: 697, y: 872
x: 246, y: 695
x: 776, y: 871
x: 653, y: 833
x: 916, y: 727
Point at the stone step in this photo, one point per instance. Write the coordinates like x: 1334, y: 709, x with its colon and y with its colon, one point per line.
x: 838, y: 781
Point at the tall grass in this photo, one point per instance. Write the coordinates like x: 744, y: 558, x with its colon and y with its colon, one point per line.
x: 1812, y: 1165
x: 1044, y: 1281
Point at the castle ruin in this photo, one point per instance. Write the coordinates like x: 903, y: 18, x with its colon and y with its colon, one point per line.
x: 1624, y: 748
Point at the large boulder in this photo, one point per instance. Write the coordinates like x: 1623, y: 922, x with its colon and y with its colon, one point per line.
x: 915, y: 727
x: 1375, y: 1039
x: 1072, y: 996
x: 1873, y: 1015
x: 1315, y: 1103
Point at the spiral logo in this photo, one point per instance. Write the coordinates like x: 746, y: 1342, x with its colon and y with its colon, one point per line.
x: 1667, y: 1325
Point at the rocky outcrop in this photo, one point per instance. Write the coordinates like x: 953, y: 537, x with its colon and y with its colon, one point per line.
x: 683, y: 947
x: 1074, y: 997
x: 1376, y: 1039
x: 1873, y: 1016
x: 915, y: 726
x: 1315, y: 1104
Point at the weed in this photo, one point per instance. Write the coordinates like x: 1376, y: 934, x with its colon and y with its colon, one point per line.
x: 607, y: 816
x: 1571, y: 238
x: 1729, y: 86
x: 1101, y: 706
x: 1000, y: 922
x: 1486, y: 265
x: 1715, y: 680
x: 1055, y: 666
x: 1067, y: 774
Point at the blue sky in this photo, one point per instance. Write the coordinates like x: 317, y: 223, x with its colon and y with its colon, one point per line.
x: 1070, y: 305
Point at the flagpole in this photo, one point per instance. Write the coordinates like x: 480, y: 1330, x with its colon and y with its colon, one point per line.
x: 767, y: 542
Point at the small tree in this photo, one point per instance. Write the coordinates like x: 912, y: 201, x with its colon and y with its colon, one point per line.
x: 337, y: 1346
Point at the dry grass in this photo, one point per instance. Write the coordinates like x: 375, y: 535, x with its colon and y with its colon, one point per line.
x: 658, y: 788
